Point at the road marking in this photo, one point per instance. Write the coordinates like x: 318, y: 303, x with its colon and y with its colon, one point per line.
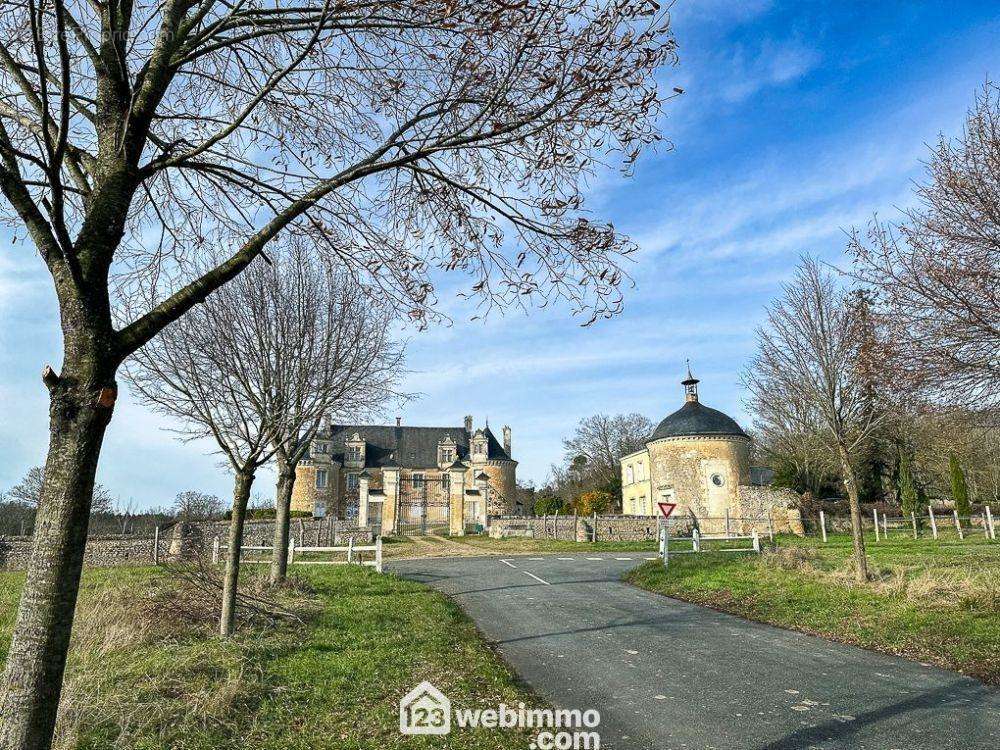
x: 564, y: 558
x: 507, y: 563
x: 595, y: 558
x: 536, y: 578
x: 623, y: 558
x: 652, y: 558
x: 536, y: 558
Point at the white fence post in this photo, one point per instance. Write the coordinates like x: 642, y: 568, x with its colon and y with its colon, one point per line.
x: 595, y: 526
x: 756, y: 542
x: 885, y: 526
x: 822, y: 524
x: 291, y: 550
x: 989, y: 524
x: 913, y: 517
x: 930, y: 509
x: 875, y: 516
x: 958, y: 523
x: 378, y: 555
x: 156, y: 545
x: 215, y: 551
x: 696, y: 540
x: 350, y: 550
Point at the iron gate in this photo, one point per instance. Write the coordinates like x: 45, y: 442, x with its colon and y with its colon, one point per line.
x: 424, y: 505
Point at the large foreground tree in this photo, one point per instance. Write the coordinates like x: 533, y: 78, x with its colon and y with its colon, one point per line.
x: 814, y: 373
x: 405, y: 136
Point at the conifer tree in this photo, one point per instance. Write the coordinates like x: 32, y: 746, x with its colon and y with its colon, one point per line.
x: 959, y: 488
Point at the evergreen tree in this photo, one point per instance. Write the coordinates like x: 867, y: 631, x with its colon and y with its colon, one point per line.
x: 959, y: 489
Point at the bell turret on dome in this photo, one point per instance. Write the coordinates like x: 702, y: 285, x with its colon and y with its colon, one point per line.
x: 690, y: 385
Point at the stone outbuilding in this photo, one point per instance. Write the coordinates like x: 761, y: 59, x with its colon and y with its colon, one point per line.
x: 699, y: 458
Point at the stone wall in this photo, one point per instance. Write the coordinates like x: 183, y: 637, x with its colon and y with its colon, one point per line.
x: 185, y: 541
x: 578, y: 528
x: 102, y: 552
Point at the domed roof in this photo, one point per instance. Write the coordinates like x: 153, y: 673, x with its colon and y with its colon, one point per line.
x: 695, y: 419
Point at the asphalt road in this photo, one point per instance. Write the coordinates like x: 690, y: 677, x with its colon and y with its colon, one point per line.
x: 668, y: 675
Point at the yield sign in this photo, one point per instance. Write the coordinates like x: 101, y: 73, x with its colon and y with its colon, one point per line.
x: 667, y: 508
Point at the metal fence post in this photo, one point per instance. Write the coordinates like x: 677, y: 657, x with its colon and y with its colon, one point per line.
x: 595, y: 526
x: 350, y: 550
x: 930, y: 509
x: 822, y: 524
x: 728, y: 531
x: 770, y: 526
x: 958, y: 523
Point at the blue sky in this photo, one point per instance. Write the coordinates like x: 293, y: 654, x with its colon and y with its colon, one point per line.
x: 800, y: 120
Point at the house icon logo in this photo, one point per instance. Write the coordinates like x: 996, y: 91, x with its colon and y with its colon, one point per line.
x: 425, y: 710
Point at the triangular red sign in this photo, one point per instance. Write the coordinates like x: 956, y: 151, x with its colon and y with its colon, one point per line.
x: 667, y: 508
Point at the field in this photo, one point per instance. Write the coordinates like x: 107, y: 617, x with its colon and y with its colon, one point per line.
x: 938, y: 602
x: 147, y: 671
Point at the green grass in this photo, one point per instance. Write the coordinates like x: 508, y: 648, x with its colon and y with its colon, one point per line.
x: 333, y: 681
x: 936, y: 602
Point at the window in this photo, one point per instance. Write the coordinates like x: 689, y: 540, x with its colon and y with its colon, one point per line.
x: 418, y: 481
x: 640, y: 472
x: 322, y: 448
x: 445, y: 483
x: 447, y: 455
x: 354, y: 453
x: 352, y: 481
x: 718, y: 480
x: 629, y: 474
x: 321, y: 479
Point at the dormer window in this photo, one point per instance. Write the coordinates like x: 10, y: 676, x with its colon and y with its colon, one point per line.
x: 354, y: 453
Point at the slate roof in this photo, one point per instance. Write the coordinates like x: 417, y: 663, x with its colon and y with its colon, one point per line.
x: 695, y: 419
x: 406, y: 447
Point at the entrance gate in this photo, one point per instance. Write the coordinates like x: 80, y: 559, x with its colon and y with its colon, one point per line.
x: 424, y: 505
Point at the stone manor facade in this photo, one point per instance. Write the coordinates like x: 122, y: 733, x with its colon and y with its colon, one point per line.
x: 442, y: 478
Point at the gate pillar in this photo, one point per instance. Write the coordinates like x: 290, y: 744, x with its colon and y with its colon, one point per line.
x: 363, y: 479
x: 456, y: 501
x: 390, y: 507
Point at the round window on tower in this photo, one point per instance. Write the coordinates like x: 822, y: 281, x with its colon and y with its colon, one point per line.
x: 718, y: 480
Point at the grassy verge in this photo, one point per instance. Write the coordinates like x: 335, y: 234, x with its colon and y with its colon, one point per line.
x: 146, y: 672
x: 936, y: 602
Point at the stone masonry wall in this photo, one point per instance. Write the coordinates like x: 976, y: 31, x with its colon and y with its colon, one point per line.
x: 102, y: 552
x: 578, y: 528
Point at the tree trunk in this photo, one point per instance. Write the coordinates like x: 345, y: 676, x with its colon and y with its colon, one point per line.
x: 32, y: 681
x: 282, y: 519
x: 857, y: 531
x: 241, y: 495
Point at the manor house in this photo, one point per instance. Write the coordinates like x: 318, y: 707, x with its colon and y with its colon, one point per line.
x: 437, y: 478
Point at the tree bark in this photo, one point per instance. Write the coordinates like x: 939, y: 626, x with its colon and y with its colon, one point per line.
x: 857, y: 531
x: 32, y: 681
x: 282, y: 519
x: 241, y: 495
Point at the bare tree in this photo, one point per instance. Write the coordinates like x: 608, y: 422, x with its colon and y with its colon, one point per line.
x: 321, y: 345
x: 813, y: 373
x: 192, y: 505
x: 28, y: 492
x: 406, y: 136
x: 936, y: 273
x: 602, y: 441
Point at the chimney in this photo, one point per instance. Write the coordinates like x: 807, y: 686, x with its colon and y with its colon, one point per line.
x: 468, y: 423
x: 506, y: 439
x: 399, y: 421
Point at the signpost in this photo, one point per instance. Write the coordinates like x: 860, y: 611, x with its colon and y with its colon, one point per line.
x: 666, y: 509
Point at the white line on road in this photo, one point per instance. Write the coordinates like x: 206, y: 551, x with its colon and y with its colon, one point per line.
x: 595, y: 558
x: 536, y: 578
x: 623, y: 558
x: 505, y: 562
x: 652, y: 558
x: 536, y: 558
x: 564, y: 558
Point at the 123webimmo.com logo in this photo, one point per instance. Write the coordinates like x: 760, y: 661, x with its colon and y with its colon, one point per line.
x: 426, y: 710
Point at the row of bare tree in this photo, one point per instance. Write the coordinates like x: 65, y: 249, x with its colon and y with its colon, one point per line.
x: 910, y: 332
x: 151, y: 151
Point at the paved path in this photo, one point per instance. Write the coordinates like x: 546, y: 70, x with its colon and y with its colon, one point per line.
x: 668, y: 675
